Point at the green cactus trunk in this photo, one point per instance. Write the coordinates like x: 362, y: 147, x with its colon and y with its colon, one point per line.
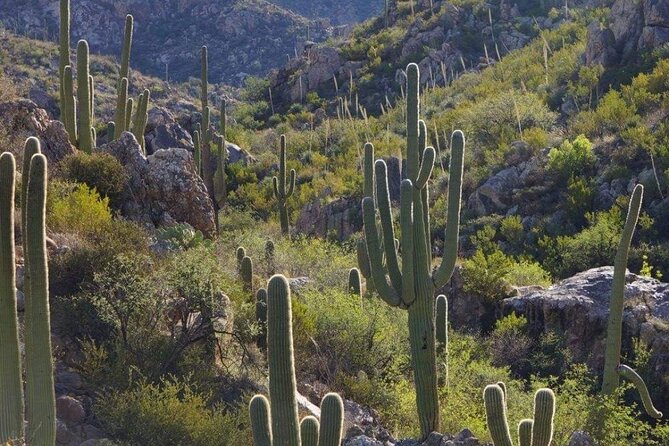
x: 220, y: 188
x: 260, y: 421
x: 69, y: 105
x: 11, y: 383
x: 84, y: 98
x: 412, y: 286
x: 332, y: 420
x: 127, y: 48
x: 128, y: 114
x: 309, y: 427
x: 141, y: 118
x: 240, y: 254
x: 282, y: 382
x: 121, y: 108
x: 283, y: 188
x: 544, y: 412
x: 367, y: 191
x: 525, y: 432
x: 613, y: 369
x: 247, y: 274
x: 354, y: 282
x: 40, y: 397
x: 197, y: 152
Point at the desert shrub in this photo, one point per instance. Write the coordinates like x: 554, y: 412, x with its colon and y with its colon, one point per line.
x: 510, y: 345
x: 572, y: 158
x: 171, y: 412
x: 525, y: 272
x: 78, y: 209
x: 99, y: 171
x: 181, y: 237
x: 485, y: 275
x: 513, y: 233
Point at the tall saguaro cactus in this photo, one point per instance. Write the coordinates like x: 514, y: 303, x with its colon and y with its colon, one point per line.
x: 39, y: 410
x: 368, y: 191
x: 613, y: 369
x: 531, y: 432
x: 412, y: 286
x: 276, y: 423
x: 283, y: 188
x: 127, y: 48
x: 84, y: 95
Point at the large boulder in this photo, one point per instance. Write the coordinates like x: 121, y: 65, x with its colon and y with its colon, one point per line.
x: 338, y: 220
x: 23, y: 118
x: 578, y: 308
x: 163, y: 188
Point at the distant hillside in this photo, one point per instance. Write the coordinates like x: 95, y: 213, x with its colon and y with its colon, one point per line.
x: 245, y: 37
x: 338, y: 12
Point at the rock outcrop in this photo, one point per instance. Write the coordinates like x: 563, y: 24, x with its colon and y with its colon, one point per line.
x: 23, y: 118
x: 163, y: 188
x: 635, y: 26
x: 337, y: 220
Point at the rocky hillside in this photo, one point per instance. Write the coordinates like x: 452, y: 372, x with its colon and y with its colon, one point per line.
x: 339, y: 12
x: 245, y: 37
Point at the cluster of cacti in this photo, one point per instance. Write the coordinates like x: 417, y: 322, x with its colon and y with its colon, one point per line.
x: 613, y: 369
x: 412, y: 286
x: 537, y: 431
x: 354, y: 282
x: 283, y: 187
x: 276, y: 422
x: 39, y: 408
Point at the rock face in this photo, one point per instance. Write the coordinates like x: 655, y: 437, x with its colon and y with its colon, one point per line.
x: 337, y: 220
x: 635, y: 26
x: 163, y: 188
x: 23, y: 118
x: 578, y: 308
x: 243, y: 40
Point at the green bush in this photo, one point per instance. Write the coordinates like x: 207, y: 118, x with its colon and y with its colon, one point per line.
x: 485, y: 275
x: 572, y: 158
x: 527, y: 272
x: 510, y: 346
x: 99, y: 171
x: 78, y: 209
x: 172, y: 412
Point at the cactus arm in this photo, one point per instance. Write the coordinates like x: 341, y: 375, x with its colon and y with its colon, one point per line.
x: 260, y: 421
x: 128, y: 114
x: 387, y: 292
x: 69, y: 108
x: 332, y: 420
x: 413, y: 111
x: 121, y: 107
x: 456, y: 169
x: 387, y: 229
x: 84, y: 98
x: 616, y: 306
x: 127, y: 46
x: 91, y: 97
x: 40, y: 397
x: 629, y: 374
x: 408, y: 245
x: 525, y: 432
x: 363, y: 258
x: 368, y: 170
x: 544, y: 412
x: 495, y: 408
x: 11, y: 385
x: 275, y: 186
x: 309, y: 428
x: 282, y: 382
x: 426, y: 167
x: 442, y: 325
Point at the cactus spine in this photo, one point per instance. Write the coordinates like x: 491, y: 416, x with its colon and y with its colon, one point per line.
x: 309, y: 428
x: 84, y: 93
x: 283, y: 189
x: 612, y: 367
x: 11, y: 385
x: 284, y: 428
x: 354, y: 282
x: 246, y: 272
x: 412, y: 287
x: 534, y: 432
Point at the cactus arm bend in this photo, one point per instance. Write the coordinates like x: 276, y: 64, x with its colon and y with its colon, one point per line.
x: 291, y: 184
x: 385, y: 290
x: 387, y: 229
x: 429, y: 155
x: 260, y: 421
x: 275, y: 186
x: 456, y: 170
x: 616, y: 306
x: 632, y: 376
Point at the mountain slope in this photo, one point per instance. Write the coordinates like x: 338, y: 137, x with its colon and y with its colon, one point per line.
x: 338, y: 12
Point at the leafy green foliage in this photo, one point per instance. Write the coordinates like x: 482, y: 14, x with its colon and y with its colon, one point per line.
x: 99, y: 171
x: 77, y: 208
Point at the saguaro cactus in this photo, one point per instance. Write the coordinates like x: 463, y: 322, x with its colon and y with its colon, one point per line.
x: 84, y: 93
x: 277, y: 423
x: 246, y: 273
x: 612, y: 367
x: 39, y: 410
x: 368, y: 191
x: 11, y: 385
x: 531, y: 432
x: 141, y: 118
x: 240, y: 254
x: 413, y: 286
x: 283, y: 189
x: 127, y: 48
x: 121, y: 108
x: 220, y: 189
x: 354, y: 282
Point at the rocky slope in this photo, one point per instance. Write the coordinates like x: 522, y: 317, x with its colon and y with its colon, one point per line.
x: 245, y: 37
x: 339, y: 12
